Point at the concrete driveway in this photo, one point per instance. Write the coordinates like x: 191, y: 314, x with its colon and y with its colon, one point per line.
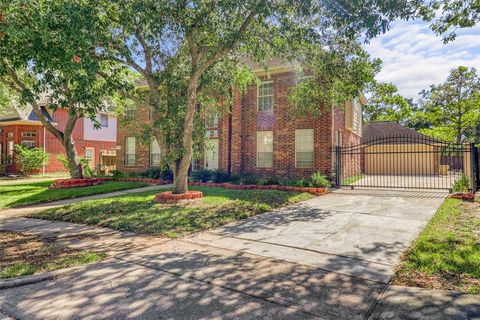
x: 327, y: 258
x: 358, y: 233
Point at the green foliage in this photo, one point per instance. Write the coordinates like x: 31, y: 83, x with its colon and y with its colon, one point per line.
x: 319, y: 180
x: 462, y: 184
x: 450, y: 15
x: 30, y: 159
x: 249, y: 179
x: 157, y: 173
x: 452, y: 108
x: 337, y: 72
x: 201, y: 175
x: 117, y: 174
x: 220, y: 176
x: 84, y: 163
x: 385, y: 104
x: 4, y: 161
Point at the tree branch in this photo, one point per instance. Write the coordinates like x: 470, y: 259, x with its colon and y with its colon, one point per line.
x: 147, y: 52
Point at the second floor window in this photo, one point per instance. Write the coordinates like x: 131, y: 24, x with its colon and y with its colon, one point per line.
x: 104, y: 121
x: 264, y: 149
x: 130, y: 113
x: 130, y: 151
x: 154, y: 153
x: 265, y: 96
x: 211, y: 119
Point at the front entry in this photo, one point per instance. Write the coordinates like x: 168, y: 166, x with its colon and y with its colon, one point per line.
x: 211, y: 154
x: 90, y: 156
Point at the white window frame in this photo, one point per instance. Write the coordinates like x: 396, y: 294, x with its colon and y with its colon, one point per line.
x: 29, y: 134
x: 127, y: 155
x: 156, y: 155
x: 298, y: 145
x: 264, y: 96
x: 10, y: 150
x: 102, y: 117
x: 28, y: 143
x: 260, y: 135
x: 211, y: 119
x: 195, y: 165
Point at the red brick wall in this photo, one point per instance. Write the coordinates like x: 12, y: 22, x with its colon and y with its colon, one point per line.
x: 52, y: 146
x: 129, y: 128
x: 246, y: 121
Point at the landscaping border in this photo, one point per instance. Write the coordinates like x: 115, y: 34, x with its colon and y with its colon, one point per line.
x: 226, y: 185
x: 75, y: 183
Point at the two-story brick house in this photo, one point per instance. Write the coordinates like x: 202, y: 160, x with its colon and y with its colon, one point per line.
x: 260, y: 135
x: 21, y: 126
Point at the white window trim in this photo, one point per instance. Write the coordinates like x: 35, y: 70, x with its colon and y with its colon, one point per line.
x: 151, y: 153
x: 258, y: 94
x: 313, y: 148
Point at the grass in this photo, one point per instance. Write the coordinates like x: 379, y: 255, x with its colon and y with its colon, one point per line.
x: 139, y: 213
x: 352, y: 180
x: 24, y: 254
x: 22, y: 194
x: 446, y: 255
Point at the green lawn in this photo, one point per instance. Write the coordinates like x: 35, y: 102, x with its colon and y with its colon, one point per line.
x: 446, y: 255
x: 352, y: 180
x: 21, y: 194
x: 139, y: 213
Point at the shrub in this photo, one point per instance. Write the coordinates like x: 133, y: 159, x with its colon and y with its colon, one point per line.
x: 201, y: 175
x: 319, y: 180
x: 249, y: 179
x: 86, y: 170
x: 30, y: 159
x: 157, y: 173
x: 462, y: 184
x: 219, y: 176
x: 117, y: 174
x: 4, y: 161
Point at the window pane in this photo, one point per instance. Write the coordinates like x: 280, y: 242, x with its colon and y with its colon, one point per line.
x: 265, y: 96
x: 104, y: 120
x: 211, y: 119
x: 265, y: 149
x: 154, y: 153
x: 130, y: 151
x: 304, y: 148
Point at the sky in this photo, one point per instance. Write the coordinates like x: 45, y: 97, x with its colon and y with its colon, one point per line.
x: 414, y: 57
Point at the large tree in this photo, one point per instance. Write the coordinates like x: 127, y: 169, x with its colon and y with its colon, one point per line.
x: 453, y: 107
x: 385, y: 103
x: 48, y: 52
x: 189, y: 53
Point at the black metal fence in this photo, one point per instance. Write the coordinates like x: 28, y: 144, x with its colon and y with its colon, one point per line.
x: 413, y: 162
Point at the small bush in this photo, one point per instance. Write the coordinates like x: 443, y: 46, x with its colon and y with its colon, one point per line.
x: 249, y: 179
x: 30, y: 159
x: 235, y: 179
x: 117, y: 174
x: 86, y: 170
x: 319, y: 180
x: 202, y: 175
x: 219, y: 176
x: 157, y: 173
x: 462, y: 184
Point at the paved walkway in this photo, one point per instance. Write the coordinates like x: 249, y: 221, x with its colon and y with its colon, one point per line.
x: 323, y: 259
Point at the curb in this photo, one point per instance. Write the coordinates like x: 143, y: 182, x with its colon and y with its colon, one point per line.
x: 35, y: 278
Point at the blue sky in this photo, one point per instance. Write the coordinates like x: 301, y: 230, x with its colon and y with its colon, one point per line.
x: 414, y: 57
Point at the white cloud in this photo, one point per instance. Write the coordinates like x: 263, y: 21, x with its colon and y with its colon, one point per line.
x: 414, y: 57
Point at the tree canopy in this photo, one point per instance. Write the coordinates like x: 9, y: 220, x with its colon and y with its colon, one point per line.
x: 385, y: 103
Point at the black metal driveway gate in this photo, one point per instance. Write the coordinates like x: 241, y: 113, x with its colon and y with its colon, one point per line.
x: 411, y: 162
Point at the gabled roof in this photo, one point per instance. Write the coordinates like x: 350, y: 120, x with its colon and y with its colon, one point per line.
x: 13, y: 113
x: 381, y: 129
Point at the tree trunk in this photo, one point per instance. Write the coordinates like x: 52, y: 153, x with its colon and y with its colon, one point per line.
x: 74, y: 166
x: 180, y: 173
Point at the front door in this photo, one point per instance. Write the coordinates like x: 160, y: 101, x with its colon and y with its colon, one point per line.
x: 211, y: 155
x: 90, y: 156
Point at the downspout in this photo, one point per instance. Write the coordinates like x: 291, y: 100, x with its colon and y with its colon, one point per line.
x: 44, y: 147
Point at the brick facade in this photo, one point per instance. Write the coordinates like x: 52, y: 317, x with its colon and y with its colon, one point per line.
x: 237, y: 134
x: 45, y: 140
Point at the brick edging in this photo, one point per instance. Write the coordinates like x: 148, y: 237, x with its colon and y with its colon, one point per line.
x: 315, y: 191
x: 87, y: 182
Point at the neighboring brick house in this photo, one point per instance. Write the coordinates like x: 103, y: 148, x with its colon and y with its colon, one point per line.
x: 19, y: 126
x: 260, y: 135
